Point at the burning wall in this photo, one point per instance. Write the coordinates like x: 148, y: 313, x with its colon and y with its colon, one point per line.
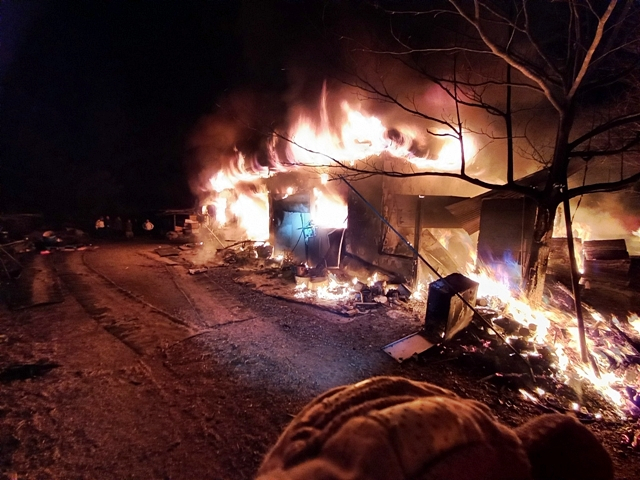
x: 290, y: 191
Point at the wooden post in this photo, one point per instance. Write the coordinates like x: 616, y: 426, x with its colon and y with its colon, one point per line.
x: 575, y: 282
x: 416, y: 238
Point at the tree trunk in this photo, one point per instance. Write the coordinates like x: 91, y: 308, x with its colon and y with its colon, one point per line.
x: 536, y: 269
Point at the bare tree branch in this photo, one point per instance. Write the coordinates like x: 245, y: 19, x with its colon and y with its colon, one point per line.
x: 592, y: 48
x: 526, y: 69
x: 604, y: 186
x: 605, y: 127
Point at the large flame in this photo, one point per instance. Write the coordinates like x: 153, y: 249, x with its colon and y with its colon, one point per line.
x: 221, y: 210
x: 237, y: 173
x: 252, y: 213
x: 328, y: 210
x: 363, y: 136
x: 326, y: 145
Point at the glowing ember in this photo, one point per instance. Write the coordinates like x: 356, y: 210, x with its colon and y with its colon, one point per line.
x: 331, y: 290
x: 528, y: 396
x: 420, y: 292
x: 289, y: 191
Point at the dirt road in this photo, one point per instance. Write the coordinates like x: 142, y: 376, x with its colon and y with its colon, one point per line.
x: 140, y: 370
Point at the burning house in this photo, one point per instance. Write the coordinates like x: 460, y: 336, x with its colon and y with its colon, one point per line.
x: 314, y: 198
x: 299, y: 203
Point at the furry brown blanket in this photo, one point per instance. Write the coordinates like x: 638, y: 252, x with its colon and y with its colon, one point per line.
x: 391, y: 428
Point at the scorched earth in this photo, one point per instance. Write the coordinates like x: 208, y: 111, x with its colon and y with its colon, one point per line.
x: 132, y: 368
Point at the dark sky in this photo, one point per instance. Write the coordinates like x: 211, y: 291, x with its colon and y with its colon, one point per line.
x: 99, y: 97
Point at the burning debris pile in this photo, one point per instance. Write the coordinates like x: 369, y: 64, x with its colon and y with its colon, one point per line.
x: 335, y: 290
x: 353, y: 296
x: 535, y: 350
x: 547, y: 338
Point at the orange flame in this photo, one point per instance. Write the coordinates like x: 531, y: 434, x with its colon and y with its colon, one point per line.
x: 253, y: 215
x: 363, y: 136
x: 359, y: 137
x: 556, y: 329
x: 328, y: 210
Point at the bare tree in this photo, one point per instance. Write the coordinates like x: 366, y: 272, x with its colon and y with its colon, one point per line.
x: 577, y: 58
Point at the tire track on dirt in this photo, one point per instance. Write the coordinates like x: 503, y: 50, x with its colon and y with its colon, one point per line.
x: 142, y: 327
x: 202, y: 380
x: 145, y: 329
x: 186, y: 409
x: 213, y: 304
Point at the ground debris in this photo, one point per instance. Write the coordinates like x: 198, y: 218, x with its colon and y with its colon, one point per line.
x: 167, y: 251
x: 194, y: 271
x: 24, y: 371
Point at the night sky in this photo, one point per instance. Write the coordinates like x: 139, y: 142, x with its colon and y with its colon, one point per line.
x: 100, y: 101
x: 98, y: 98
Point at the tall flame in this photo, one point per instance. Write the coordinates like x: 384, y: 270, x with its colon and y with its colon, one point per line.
x: 324, y: 145
x: 363, y: 136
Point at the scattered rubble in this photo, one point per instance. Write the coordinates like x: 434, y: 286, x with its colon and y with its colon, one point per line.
x: 516, y: 354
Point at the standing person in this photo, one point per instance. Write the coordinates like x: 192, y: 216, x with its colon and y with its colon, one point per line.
x: 100, y: 227
x: 128, y: 229
x: 147, y: 226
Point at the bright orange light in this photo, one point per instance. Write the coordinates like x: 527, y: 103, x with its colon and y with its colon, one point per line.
x: 328, y: 210
x: 221, y: 210
x: 253, y: 215
x: 550, y: 329
x: 449, y: 158
x: 634, y: 321
x: 358, y: 137
x: 362, y: 136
